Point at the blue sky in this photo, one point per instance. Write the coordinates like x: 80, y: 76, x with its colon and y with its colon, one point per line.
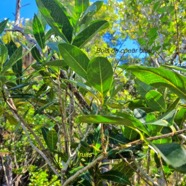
x: 8, y: 9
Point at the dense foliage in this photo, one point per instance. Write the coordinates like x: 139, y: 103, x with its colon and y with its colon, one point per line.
x: 71, y: 116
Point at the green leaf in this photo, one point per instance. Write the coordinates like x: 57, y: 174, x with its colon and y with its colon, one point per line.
x: 161, y: 77
x: 75, y: 58
x: 3, y: 25
x: 50, y: 137
x: 126, y: 169
x: 90, y: 11
x: 152, y: 34
x: 22, y: 96
x: 155, y: 100
x: 81, y: 6
x: 182, y: 68
x: 3, y: 55
x: 17, y: 67
x: 56, y: 63
x: 125, y: 120
x: 115, y: 176
x: 130, y: 134
x: 84, y: 36
x: 41, y: 109
x: 22, y: 85
x: 55, y: 15
x: 142, y: 88
x: 180, y: 117
x: 35, y: 53
x: 17, y: 55
x: 38, y: 31
x: 173, y: 154
x: 100, y: 74
x: 10, y: 118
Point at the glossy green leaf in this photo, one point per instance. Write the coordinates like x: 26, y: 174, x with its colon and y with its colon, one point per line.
x: 173, y: 154
x: 38, y: 31
x: 115, y: 176
x: 155, y: 100
x: 3, y: 25
x: 55, y: 15
x: 3, y: 55
x: 81, y: 6
x: 86, y: 35
x: 17, y: 55
x: 75, y: 58
x: 125, y: 120
x: 161, y: 77
x: 90, y: 11
x: 100, y: 74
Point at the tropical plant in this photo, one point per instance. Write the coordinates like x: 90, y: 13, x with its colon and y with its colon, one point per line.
x: 90, y: 120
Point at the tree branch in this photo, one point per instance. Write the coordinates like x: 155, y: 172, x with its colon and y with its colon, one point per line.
x: 24, y: 126
x: 93, y: 163
x: 18, y: 10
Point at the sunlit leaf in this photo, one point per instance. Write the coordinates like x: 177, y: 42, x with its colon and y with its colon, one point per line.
x: 100, y: 74
x: 155, y: 100
x: 38, y: 31
x: 125, y: 120
x: 81, y: 6
x: 90, y: 11
x: 55, y: 15
x: 75, y: 58
x: 161, y: 77
x: 3, y: 25
x: 84, y: 36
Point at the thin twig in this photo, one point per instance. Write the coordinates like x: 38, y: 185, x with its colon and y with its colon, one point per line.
x: 138, y: 142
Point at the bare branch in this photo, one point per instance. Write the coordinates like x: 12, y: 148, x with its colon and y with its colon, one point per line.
x: 18, y: 12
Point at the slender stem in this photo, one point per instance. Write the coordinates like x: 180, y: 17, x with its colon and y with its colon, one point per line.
x: 138, y: 142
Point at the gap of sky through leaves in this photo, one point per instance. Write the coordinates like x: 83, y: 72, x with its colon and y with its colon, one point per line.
x: 29, y: 8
